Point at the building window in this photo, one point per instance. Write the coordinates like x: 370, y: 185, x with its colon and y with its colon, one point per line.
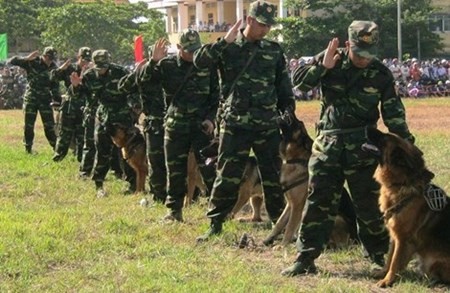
x: 439, y: 23
x: 210, y: 18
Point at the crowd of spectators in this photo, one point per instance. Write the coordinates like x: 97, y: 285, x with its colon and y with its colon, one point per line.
x: 210, y: 27
x: 413, y: 78
x: 420, y: 79
x: 13, y: 82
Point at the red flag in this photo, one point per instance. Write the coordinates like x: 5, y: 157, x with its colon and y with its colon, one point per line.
x: 138, y: 49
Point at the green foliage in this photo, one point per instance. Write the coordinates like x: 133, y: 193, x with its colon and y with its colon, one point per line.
x: 100, y: 26
x: 306, y: 37
x: 69, y: 25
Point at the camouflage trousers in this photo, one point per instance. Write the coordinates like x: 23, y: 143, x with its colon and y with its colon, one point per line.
x: 103, y: 156
x: 334, y: 161
x: 88, y: 157
x: 71, y: 126
x: 154, y: 138
x: 31, y: 107
x: 234, y: 150
x: 178, y: 142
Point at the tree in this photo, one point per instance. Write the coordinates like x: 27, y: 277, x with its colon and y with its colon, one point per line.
x: 330, y: 18
x: 18, y: 18
x: 99, y: 25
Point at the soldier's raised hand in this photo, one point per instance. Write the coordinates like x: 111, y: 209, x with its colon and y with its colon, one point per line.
x: 75, y: 79
x: 65, y: 65
x: 160, y: 49
x: 330, y: 57
x: 233, y: 32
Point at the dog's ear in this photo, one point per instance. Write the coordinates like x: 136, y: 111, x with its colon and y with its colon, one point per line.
x: 402, y: 158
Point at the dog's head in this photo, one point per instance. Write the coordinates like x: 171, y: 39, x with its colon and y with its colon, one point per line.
x: 398, y: 158
x: 120, y: 133
x: 294, y: 133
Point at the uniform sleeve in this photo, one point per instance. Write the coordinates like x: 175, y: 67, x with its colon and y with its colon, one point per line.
x: 393, y: 113
x: 214, y: 94
x: 209, y: 54
x: 308, y: 77
x: 19, y: 61
x: 284, y: 87
x: 129, y: 83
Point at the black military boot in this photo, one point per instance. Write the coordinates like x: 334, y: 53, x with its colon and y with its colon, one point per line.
x: 214, y: 229
x: 302, y: 266
x: 174, y: 215
x: 29, y: 149
x: 100, y: 192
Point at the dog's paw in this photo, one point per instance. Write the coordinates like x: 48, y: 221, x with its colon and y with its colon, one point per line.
x: 386, y: 282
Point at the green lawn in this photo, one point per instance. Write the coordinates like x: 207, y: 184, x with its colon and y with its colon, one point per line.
x: 56, y: 236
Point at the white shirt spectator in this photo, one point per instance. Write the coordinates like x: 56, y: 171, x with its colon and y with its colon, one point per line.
x: 395, y: 69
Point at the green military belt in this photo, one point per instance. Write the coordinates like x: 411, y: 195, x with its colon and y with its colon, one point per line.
x: 342, y: 130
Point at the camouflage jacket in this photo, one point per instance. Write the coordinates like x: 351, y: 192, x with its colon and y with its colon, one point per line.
x: 150, y: 91
x: 351, y: 97
x: 197, y: 97
x: 58, y: 75
x: 38, y: 77
x: 262, y: 90
x: 103, y: 90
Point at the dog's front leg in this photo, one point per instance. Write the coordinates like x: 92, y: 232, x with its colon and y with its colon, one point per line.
x: 399, y: 257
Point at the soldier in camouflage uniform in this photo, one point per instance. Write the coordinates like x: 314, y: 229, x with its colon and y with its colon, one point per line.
x: 354, y: 84
x: 154, y: 109
x: 192, y: 96
x: 39, y: 95
x: 72, y: 107
x: 100, y: 85
x: 254, y: 97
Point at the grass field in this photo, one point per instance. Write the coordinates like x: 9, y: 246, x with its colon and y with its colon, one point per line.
x: 55, y: 236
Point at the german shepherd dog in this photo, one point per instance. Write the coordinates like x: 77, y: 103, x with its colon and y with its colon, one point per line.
x: 132, y: 144
x: 249, y: 190
x: 295, y: 150
x: 415, y: 211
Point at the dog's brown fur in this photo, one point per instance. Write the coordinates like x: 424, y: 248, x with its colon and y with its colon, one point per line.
x: 132, y: 144
x: 249, y: 190
x: 414, y: 228
x: 295, y: 150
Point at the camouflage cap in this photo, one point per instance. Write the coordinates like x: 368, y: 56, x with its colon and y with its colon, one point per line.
x: 51, y: 53
x: 263, y: 12
x: 85, y: 53
x: 101, y: 58
x: 189, y: 40
x: 363, y: 37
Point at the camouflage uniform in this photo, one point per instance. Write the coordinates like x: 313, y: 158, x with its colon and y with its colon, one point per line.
x: 71, y: 111
x: 350, y: 102
x: 40, y: 92
x: 249, y: 118
x: 196, y: 100
x: 154, y: 109
x: 113, y: 107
